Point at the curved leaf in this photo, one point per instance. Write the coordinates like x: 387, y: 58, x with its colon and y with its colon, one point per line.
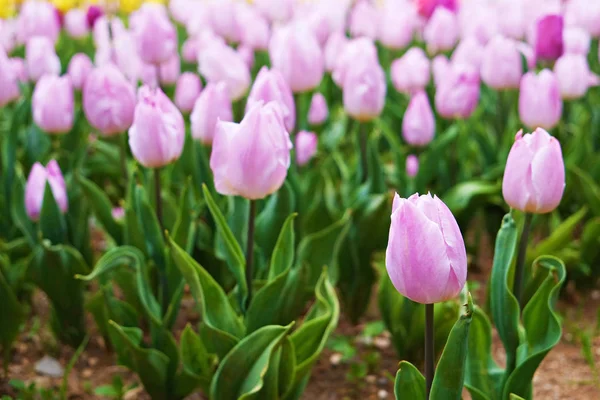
x: 52, y: 221
x: 197, y: 364
x: 283, y: 253
x: 272, y: 218
x: 102, y: 208
x: 410, y: 383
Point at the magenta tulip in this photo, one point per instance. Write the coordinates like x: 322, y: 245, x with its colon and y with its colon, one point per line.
x: 93, y: 14
x: 501, y: 66
x: 426, y: 8
x: 155, y: 35
x: 548, y: 37
x: 412, y: 165
x: 36, y: 187
x: 426, y: 258
x: 187, y: 91
x: 40, y: 58
x: 251, y: 159
x: 37, y: 18
x: 76, y: 23
x: 441, y: 31
x: 540, y: 104
x: 364, y: 91
x: 306, y: 147
x: 79, y: 68
x: 108, y: 100
x: 9, y: 82
x: 213, y: 105
x: 411, y: 72
x: 221, y: 63
x: 52, y: 104
x: 457, y: 95
x: 270, y: 85
x: 318, y: 111
x: 418, y: 124
x: 534, y: 178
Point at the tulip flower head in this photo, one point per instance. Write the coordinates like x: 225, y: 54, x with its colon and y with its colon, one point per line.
x: 187, y: 91
x: 213, y: 105
x: 251, y: 159
x: 501, y: 66
x: 158, y: 132
x: 364, y: 19
x: 37, y: 18
x: 79, y: 68
x: 418, y: 124
x: 306, y: 147
x: 221, y: 63
x: 412, y: 165
x: 52, y: 104
x: 9, y: 84
x: 534, y: 178
x: 427, y: 7
x: 457, y: 95
x: 397, y: 24
x: 574, y: 76
x: 40, y: 58
x: 425, y: 258
x: 441, y: 31
x: 540, y: 103
x: 364, y: 91
x: 155, y: 35
x: 36, y: 187
x: 76, y: 23
x: 411, y: 72
x: 548, y: 37
x: 270, y: 85
x: 318, y: 111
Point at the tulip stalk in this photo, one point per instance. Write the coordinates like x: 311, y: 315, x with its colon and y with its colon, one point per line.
x: 362, y: 132
x: 520, y: 266
x: 429, y: 348
x: 250, y: 250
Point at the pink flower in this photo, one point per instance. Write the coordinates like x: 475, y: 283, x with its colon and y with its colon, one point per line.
x: 418, y: 124
x: 221, y: 63
x: 441, y: 32
x: 412, y: 166
x: 270, y: 85
x: 76, y: 23
x: 397, y: 24
x: 318, y: 111
x: 457, y: 95
x: 213, y: 105
x: 155, y: 35
x: 52, y: 104
x: 306, y: 147
x: 40, y: 58
x: 187, y: 91
x: 411, y: 72
x: 37, y: 18
x: 79, y: 68
x: 9, y: 83
x: 36, y: 187
x: 540, y: 104
x: 548, y: 37
x: 364, y: 19
x: 501, y: 67
x: 364, y: 91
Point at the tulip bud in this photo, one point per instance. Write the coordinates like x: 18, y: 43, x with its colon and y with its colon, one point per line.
x: 478, y: 20
x: 251, y: 159
x: 364, y: 90
x: 213, y: 104
x: 441, y: 32
x: 306, y: 147
x: 364, y: 20
x: 37, y: 18
x: 78, y: 70
x: 584, y: 14
x: 76, y: 23
x: 318, y: 112
x: 576, y: 41
x: 253, y: 27
x: 469, y: 51
x: 187, y: 91
x: 362, y: 49
x: 154, y: 34
x: 548, y: 37
x: 18, y: 66
x: 189, y: 50
x: 539, y: 99
x: 412, y: 166
x: 426, y: 258
x: 574, y: 76
x: 457, y: 95
x: 221, y: 63
x: 52, y: 104
x: 118, y: 213
x: 36, y: 187
x: 534, y: 178
x: 295, y: 51
x: 158, y: 132
x: 270, y: 85
x: 397, y: 24
x: 222, y: 15
x: 333, y: 49
x: 8, y: 34
x: 441, y: 68
x: 411, y: 72
x: 427, y: 8
x: 276, y: 10
x: 511, y: 18
x: 108, y: 100
x: 170, y: 70
x: 501, y: 66
x: 9, y: 84
x: 418, y: 124
x: 40, y: 58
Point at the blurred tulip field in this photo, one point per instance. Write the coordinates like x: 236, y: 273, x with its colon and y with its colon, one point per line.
x: 300, y: 199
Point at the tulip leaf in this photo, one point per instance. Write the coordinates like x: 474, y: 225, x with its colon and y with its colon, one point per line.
x: 410, y: 383
x: 19, y: 214
x: 102, y: 208
x: 185, y: 226
x: 198, y: 365
x: 241, y: 373
x: 461, y: 199
x: 376, y: 177
x: 52, y: 221
x: 504, y: 306
x: 11, y: 317
x: 542, y: 326
x: 271, y: 219
x: 238, y: 212
x: 589, y: 188
x: 283, y: 253
x: 235, y: 256
x: 151, y: 229
x: 448, y: 380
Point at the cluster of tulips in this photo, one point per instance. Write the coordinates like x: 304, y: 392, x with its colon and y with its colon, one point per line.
x: 247, y: 152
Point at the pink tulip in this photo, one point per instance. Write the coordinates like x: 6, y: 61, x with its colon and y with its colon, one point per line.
x: 93, y: 14
x: 247, y: 54
x: 118, y: 213
x: 253, y: 28
x: 397, y: 24
x: 158, y: 132
x: 585, y: 15
x: 441, y: 32
x: 364, y: 20
x: 18, y: 66
x: 418, y: 124
x: 270, y: 85
x: 333, y: 49
x: 36, y: 187
x: 469, y: 51
x: 364, y: 90
x: 306, y: 147
x: 52, y: 104
x: 441, y: 67
x: 295, y: 51
x: 79, y: 68
x: 574, y: 76
x: 76, y: 23
x: 189, y: 50
x: 511, y: 18
x: 105, y: 28
x: 187, y: 91
x: 361, y: 49
x: 540, y: 104
x: 479, y: 21
x: 9, y: 83
x: 213, y: 105
x: 276, y: 10
x: 318, y: 111
x: 501, y: 66
x: 527, y: 51
x: 181, y: 10
x: 412, y: 166
x: 37, y: 18
x: 251, y: 159
x: 223, y: 19
x: 411, y: 72
x: 221, y: 63
x: 8, y: 34
x: 170, y: 70
x: 548, y: 37
x: 108, y: 100
x: 534, y: 178
x: 576, y: 41
x: 457, y: 95
x: 40, y: 58
x: 426, y: 258
x: 155, y: 35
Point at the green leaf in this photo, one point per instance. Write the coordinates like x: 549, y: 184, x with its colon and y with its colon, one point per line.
x: 515, y: 397
x: 410, y: 383
x: 185, y: 226
x: 589, y: 188
x: 52, y: 221
x: 18, y: 213
x: 198, y: 365
x: 465, y: 196
x: 11, y: 317
x: 236, y: 260
x: 449, y: 377
x: 154, y: 238
x: 102, y: 208
x: 284, y: 251
x: 542, y: 326
x: 504, y: 306
x: 241, y: 373
x: 272, y: 218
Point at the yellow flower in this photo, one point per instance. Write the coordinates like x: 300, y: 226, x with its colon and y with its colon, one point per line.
x: 7, y: 8
x: 64, y: 5
x: 128, y: 6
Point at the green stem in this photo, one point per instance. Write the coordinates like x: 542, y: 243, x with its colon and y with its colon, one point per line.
x: 520, y: 267
x: 429, y: 348
x: 362, y: 132
x: 164, y: 283
x: 123, y: 157
x: 250, y: 251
